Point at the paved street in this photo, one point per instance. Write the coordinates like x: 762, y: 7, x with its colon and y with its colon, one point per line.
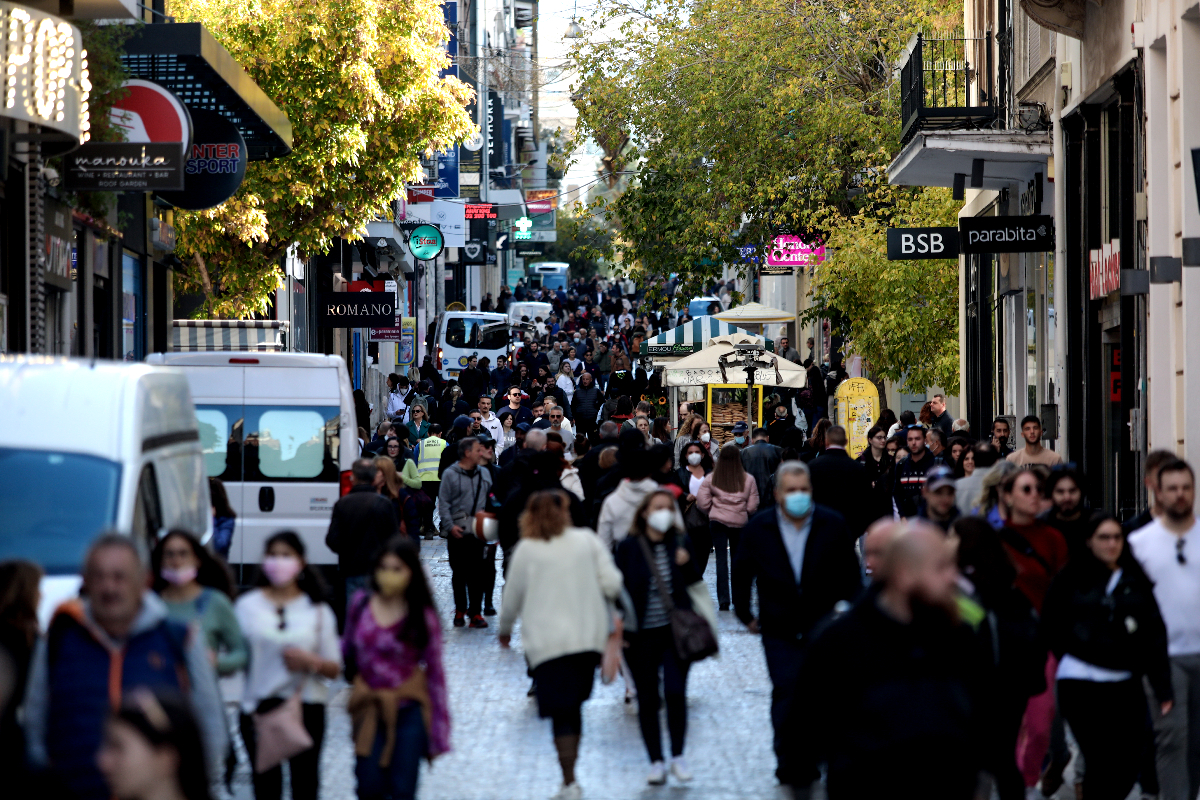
x: 501, y: 749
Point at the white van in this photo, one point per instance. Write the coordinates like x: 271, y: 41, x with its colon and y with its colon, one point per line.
x: 92, y: 446
x: 271, y: 428
x: 461, y: 334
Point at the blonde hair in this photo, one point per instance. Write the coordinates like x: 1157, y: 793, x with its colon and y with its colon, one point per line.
x: 391, y: 479
x: 546, y: 515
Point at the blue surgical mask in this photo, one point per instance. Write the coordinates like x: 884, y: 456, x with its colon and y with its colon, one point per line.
x: 798, y: 504
x: 739, y: 439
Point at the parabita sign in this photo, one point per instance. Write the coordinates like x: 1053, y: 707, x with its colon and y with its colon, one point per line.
x: 357, y: 310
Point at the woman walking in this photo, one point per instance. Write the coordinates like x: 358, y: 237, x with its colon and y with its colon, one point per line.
x: 656, y: 550
x: 393, y: 654
x: 560, y: 581
x: 292, y: 635
x: 565, y: 380
x: 729, y: 496
x: 695, y: 465
x: 1101, y: 620
x: 152, y: 749
x: 879, y: 469
x: 418, y: 423
x: 224, y: 518
x: 197, y: 589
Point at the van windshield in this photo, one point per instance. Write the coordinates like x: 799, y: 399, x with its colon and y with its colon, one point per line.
x: 464, y: 333
x: 53, y: 505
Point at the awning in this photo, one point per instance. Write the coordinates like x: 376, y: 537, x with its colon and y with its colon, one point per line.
x: 692, y: 336
x: 263, y: 335
x: 185, y: 58
x: 756, y: 314
x: 704, y: 367
x: 933, y: 158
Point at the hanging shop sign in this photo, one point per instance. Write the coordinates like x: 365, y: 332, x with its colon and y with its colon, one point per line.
x: 541, y: 201
x: 913, y: 244
x: 1032, y: 234
x: 1104, y: 270
x: 479, y: 211
x: 787, y: 252
x: 356, y: 310
x: 474, y: 252
x: 523, y: 227
x: 147, y: 112
x: 216, y: 163
x: 495, y: 130
x: 124, y: 167
x: 421, y: 194
x: 46, y: 78
x: 426, y: 242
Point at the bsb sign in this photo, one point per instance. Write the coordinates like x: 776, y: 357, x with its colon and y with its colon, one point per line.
x: 911, y: 244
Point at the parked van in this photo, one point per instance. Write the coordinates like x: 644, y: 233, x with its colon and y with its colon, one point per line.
x: 461, y: 334
x: 272, y: 428
x: 87, y: 447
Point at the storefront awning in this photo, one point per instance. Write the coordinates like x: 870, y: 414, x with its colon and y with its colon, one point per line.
x: 185, y: 58
x: 264, y: 335
x: 934, y: 158
x: 690, y: 337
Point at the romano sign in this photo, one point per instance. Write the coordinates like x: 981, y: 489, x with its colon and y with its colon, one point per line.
x: 1032, y: 234
x: 357, y: 310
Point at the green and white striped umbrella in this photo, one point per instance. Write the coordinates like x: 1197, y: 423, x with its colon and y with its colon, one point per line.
x: 691, y: 337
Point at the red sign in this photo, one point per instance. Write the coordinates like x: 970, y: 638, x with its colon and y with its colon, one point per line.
x: 150, y: 113
x: 480, y: 210
x: 541, y: 201
x: 421, y: 194
x: 1104, y: 269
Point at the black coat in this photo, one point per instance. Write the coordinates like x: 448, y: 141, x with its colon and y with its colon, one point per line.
x: 639, y: 581
x: 908, y: 481
x: 830, y: 573
x: 1121, y: 631
x: 841, y: 483
x: 879, y: 473
x: 894, y: 710
x: 760, y: 460
x: 361, y: 523
x: 586, y: 403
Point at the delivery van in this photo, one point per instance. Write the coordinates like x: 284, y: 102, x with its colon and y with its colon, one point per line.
x: 272, y: 426
x: 462, y: 334
x: 94, y: 446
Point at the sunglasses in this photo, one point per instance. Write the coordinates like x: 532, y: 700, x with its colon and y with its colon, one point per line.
x: 1179, y: 555
x: 282, y: 621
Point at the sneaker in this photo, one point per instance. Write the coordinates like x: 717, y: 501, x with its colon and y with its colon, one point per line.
x: 490, y: 611
x: 569, y: 791
x: 680, y: 769
x: 658, y: 774
x: 478, y: 622
x: 460, y: 619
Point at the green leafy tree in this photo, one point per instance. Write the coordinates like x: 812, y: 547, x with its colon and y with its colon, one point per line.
x: 359, y: 80
x: 582, y: 243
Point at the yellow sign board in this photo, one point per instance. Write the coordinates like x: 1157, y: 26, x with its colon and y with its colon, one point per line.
x: 857, y: 408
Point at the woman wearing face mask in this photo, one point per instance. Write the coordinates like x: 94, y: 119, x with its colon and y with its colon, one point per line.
x: 729, y: 496
x: 1102, y: 622
x: 696, y: 464
x: 292, y: 634
x: 152, y: 749
x: 393, y: 654
x: 703, y: 434
x: 197, y: 589
x: 651, y: 648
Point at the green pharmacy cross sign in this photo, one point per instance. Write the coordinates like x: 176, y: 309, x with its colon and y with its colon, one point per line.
x: 426, y: 242
x: 523, y: 225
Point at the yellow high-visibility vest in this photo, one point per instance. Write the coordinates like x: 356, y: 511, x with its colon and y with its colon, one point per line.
x: 431, y: 457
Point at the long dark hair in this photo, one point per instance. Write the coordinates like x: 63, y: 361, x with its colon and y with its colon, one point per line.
x: 887, y: 418
x: 220, y: 499
x: 1126, y: 561
x: 729, y: 475
x: 705, y: 456
x: 659, y: 430
x: 19, y: 597
x: 212, y: 572
x: 165, y: 719
x: 414, y: 630
x: 309, y: 580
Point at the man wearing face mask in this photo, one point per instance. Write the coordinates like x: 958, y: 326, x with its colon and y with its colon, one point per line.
x: 802, y: 558
x: 360, y: 524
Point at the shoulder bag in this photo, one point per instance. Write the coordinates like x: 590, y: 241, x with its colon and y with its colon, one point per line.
x: 692, y: 635
x: 279, y: 732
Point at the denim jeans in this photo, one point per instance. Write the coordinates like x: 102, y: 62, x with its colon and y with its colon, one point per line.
x: 398, y: 780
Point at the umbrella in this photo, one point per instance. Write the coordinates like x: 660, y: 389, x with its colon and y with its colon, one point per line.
x: 704, y: 367
x: 756, y: 314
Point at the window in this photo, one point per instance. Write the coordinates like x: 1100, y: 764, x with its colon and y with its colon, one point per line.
x: 464, y: 333
x: 133, y: 302
x: 220, y: 438
x: 147, y: 509
x: 291, y: 443
x: 38, y: 525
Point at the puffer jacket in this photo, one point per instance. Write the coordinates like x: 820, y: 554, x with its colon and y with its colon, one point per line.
x: 586, y: 402
x: 728, y: 508
x: 617, y: 513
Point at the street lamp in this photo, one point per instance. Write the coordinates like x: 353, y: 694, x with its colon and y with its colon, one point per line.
x: 749, y: 357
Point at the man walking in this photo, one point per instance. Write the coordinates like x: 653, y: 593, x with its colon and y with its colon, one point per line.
x: 489, y: 421
x: 910, y: 473
x: 1033, y: 452
x: 1154, y: 461
x: 1169, y: 551
x: 556, y: 425
x: 941, y: 417
x: 802, y: 558
x: 428, y: 456
x: 361, y: 523
x: 115, y: 638
x: 841, y: 483
x: 464, y: 491
x: 760, y: 460
x: 520, y: 413
x: 937, y: 498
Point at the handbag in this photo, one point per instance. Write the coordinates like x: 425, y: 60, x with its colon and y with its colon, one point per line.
x: 279, y: 732
x: 694, y: 516
x: 693, y: 637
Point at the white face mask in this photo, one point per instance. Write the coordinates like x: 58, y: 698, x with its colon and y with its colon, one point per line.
x: 661, y: 520
x: 704, y: 437
x: 695, y: 458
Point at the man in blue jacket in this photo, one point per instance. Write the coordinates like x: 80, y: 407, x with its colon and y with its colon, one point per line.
x: 115, y: 639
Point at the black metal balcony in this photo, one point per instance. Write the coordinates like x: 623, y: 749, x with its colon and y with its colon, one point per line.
x: 940, y: 89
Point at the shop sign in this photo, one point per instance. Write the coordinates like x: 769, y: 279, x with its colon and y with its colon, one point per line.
x: 426, y: 242
x: 1104, y: 270
x: 216, y: 163
x: 148, y: 112
x: 912, y: 244
x: 788, y: 252
x: 124, y: 167
x: 474, y: 252
x: 495, y: 129
x: 541, y: 201
x: 356, y: 310
x: 421, y: 194
x: 1033, y: 234
x: 479, y: 211
x: 523, y: 226
x: 46, y: 78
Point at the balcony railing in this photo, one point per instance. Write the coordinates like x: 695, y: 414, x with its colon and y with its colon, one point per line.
x: 940, y: 87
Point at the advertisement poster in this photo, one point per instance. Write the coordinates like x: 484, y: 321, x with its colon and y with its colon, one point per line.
x: 407, y: 355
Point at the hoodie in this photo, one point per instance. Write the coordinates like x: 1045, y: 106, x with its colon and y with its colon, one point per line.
x: 616, y: 515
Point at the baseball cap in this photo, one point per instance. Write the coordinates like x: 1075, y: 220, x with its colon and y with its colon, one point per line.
x: 523, y: 427
x: 939, y: 476
x: 462, y: 421
x: 740, y: 427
